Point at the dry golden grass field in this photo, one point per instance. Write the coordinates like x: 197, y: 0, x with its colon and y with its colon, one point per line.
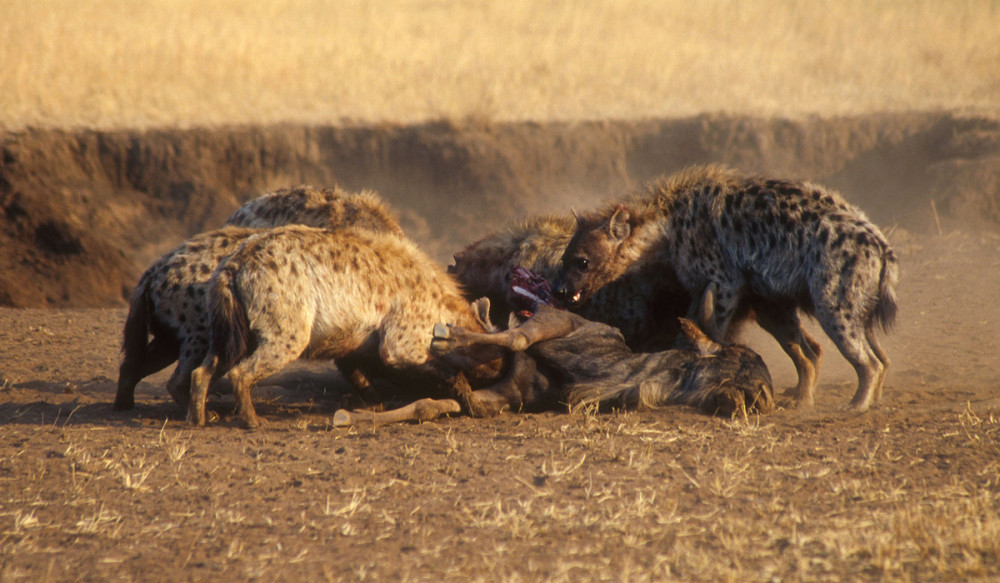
x: 126, y: 126
x: 112, y: 63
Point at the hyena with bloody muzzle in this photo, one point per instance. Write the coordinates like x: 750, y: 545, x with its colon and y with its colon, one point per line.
x: 645, y: 311
x: 771, y: 245
x: 169, y: 302
x: 346, y: 294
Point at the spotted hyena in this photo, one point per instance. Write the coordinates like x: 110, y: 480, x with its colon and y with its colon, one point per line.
x: 645, y: 311
x: 351, y: 293
x: 580, y: 362
x: 775, y: 245
x: 169, y: 301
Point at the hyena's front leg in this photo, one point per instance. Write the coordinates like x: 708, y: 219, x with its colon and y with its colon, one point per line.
x: 201, y: 378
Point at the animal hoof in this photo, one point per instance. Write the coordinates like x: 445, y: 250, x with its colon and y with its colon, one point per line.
x: 441, y: 331
x: 342, y: 418
x: 442, y: 342
x: 252, y: 426
x: 429, y: 409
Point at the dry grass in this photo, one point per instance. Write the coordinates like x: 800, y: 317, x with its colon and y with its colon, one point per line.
x: 624, y: 496
x: 106, y: 63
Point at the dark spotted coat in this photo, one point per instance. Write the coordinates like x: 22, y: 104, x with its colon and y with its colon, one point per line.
x: 644, y: 310
x: 777, y: 246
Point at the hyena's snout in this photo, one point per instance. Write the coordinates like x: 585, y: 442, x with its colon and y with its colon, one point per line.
x: 567, y: 294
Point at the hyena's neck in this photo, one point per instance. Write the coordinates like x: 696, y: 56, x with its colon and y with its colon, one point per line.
x: 644, y: 245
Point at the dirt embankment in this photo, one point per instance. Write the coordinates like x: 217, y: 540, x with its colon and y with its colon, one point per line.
x: 85, y: 212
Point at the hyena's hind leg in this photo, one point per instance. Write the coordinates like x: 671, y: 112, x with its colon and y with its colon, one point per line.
x: 270, y: 355
x: 782, y: 322
x: 179, y: 383
x: 883, y: 358
x: 158, y: 355
x: 852, y: 339
x: 201, y: 378
x: 848, y: 307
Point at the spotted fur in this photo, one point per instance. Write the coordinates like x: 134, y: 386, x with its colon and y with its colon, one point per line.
x: 316, y: 207
x: 346, y: 294
x: 169, y: 302
x: 645, y: 311
x: 774, y: 245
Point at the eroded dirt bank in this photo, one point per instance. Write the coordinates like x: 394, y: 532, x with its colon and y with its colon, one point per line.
x: 85, y: 212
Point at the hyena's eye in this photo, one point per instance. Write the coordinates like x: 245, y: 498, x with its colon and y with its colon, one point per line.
x: 581, y: 263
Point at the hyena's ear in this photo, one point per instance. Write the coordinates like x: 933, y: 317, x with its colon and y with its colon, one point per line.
x: 481, y: 308
x: 703, y: 344
x: 617, y: 227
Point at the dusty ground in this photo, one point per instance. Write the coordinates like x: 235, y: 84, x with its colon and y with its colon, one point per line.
x: 908, y: 491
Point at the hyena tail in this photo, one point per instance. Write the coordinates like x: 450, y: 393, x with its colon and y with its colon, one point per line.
x: 135, y: 337
x: 135, y: 346
x: 230, y: 325
x: 884, y: 314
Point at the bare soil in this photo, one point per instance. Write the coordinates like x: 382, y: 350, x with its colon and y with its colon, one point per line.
x: 909, y: 491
